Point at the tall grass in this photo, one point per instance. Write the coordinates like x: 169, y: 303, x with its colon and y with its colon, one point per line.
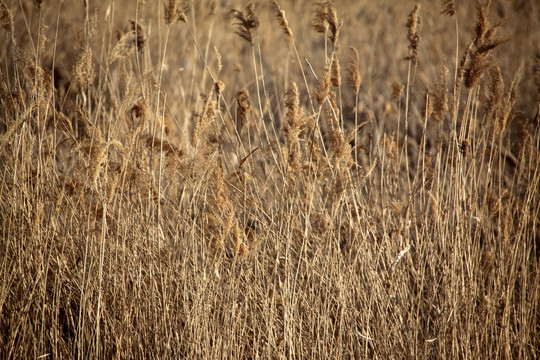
x: 203, y: 180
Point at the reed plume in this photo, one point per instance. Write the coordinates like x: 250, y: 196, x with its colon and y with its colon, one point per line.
x: 484, y: 41
x: 176, y: 10
x: 246, y: 23
x: 282, y: 19
x: 414, y: 23
x: 448, y: 7
x: 354, y: 72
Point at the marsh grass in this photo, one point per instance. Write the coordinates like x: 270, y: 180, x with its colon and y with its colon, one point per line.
x: 194, y: 180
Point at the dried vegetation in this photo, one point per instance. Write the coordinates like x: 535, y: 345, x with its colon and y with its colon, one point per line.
x: 203, y: 180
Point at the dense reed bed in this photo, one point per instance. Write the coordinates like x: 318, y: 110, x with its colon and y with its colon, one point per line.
x: 271, y: 179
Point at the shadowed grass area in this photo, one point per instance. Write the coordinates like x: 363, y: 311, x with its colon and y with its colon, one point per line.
x: 221, y: 179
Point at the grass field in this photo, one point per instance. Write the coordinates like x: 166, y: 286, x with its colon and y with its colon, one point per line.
x: 269, y: 180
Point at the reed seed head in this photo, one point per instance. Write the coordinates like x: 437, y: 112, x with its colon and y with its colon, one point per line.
x: 282, y: 19
x: 414, y: 22
x: 354, y: 72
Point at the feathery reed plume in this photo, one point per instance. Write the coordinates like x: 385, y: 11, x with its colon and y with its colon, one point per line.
x: 484, y: 42
x: 140, y: 35
x: 122, y: 48
x: 319, y: 22
x: 477, y: 65
x: 203, y: 120
x: 324, y: 87
x: 482, y: 23
x: 494, y: 102
x: 340, y: 145
x: 462, y: 68
x: 508, y: 103
x: 240, y: 248
x: 244, y: 108
x: 439, y: 100
x: 220, y: 210
x: 246, y: 23
x: 354, y: 72
x: 335, y: 77
x: 414, y: 23
x: 175, y: 11
x: 83, y: 70
x: 282, y: 20
x: 291, y: 128
x: 98, y: 155
x: 448, y: 7
x: 6, y: 19
x: 334, y: 109
x: 326, y: 19
x: 333, y: 23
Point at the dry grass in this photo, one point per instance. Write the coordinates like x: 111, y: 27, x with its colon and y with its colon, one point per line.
x: 203, y: 180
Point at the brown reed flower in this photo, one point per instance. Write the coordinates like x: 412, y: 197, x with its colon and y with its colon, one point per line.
x: 414, y: 22
x: 245, y: 23
x: 282, y: 19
